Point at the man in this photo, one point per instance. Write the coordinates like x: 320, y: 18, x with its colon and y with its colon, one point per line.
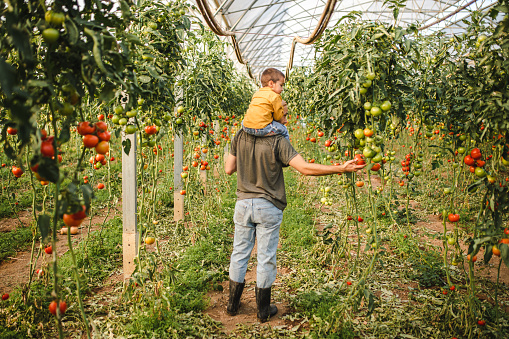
x: 261, y: 199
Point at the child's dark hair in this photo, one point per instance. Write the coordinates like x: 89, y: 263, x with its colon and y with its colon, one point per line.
x: 271, y: 74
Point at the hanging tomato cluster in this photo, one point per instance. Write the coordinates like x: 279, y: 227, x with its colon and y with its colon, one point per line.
x: 476, y: 164
x: 95, y: 135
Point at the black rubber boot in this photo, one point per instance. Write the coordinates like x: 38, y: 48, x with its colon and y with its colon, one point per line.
x: 265, y: 308
x: 234, y: 299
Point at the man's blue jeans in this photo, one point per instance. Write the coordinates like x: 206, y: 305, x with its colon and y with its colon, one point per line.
x: 255, y: 218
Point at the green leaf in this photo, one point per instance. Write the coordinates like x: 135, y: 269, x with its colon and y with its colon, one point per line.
x: 72, y: 30
x: 48, y: 169
x: 88, y: 194
x: 8, y: 78
x: 504, y: 254
x: 127, y: 146
x: 43, y: 222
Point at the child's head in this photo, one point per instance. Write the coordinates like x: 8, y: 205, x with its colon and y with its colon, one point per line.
x: 273, y: 78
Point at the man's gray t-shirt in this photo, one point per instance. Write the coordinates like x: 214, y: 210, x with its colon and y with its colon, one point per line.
x: 260, y: 162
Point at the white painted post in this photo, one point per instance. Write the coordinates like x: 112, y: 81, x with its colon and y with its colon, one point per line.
x: 203, y: 173
x: 130, y: 236
x: 216, y: 133
x: 178, y: 156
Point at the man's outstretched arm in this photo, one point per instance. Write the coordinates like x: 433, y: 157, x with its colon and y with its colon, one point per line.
x: 307, y: 168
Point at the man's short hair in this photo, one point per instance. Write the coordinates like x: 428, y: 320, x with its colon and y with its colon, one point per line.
x: 271, y: 74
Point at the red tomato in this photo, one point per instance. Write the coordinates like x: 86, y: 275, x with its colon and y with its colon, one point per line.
x: 101, y: 126
x: 47, y: 149
x: 368, y: 132
x: 70, y: 221
x: 104, y: 136
x: 85, y: 128
x: 327, y: 143
x: 100, y: 117
x: 454, y: 217
x: 102, y: 147
x: 150, y: 129
x: 100, y: 185
x: 480, y: 163
x: 18, y: 172
x: 90, y: 140
x: 360, y: 159
x: 475, y: 153
x: 99, y: 157
x: 5, y: 296
x: 468, y: 160
x: 359, y: 219
x: 48, y: 250
x: 320, y: 134
x: 12, y: 131
x: 375, y: 167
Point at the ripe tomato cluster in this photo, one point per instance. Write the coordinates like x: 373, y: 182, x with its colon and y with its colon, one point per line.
x: 95, y: 135
x: 475, y: 162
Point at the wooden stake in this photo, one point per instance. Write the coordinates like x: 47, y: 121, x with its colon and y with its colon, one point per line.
x: 178, y: 199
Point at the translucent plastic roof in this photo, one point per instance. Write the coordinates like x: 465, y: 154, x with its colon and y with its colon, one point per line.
x: 264, y: 29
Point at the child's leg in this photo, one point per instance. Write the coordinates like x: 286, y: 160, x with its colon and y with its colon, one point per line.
x: 279, y: 128
x: 259, y: 132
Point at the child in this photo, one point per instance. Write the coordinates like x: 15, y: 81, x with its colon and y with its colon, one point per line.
x: 267, y: 107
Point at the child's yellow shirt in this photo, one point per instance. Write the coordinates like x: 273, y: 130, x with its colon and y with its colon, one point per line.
x: 266, y: 105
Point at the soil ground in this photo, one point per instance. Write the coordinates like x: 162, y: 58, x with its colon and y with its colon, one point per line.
x: 429, y: 229
x: 15, y: 272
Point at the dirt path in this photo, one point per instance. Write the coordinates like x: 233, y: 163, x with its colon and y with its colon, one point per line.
x: 247, y: 312
x: 15, y: 272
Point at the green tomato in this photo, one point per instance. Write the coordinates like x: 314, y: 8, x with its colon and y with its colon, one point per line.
x: 447, y: 190
x: 363, y: 90
x: 179, y: 121
x: 180, y: 109
x: 57, y: 18
x: 367, y: 105
x: 130, y: 129
x: 368, y: 152
x: 461, y: 150
x: 359, y: 133
x: 118, y: 110
x: 367, y: 83
x: 371, y: 75
x: 50, y: 35
x: 122, y: 121
x: 451, y: 241
x: 67, y: 109
x: 480, y: 172
x: 375, y: 111
x: 377, y: 158
x: 132, y: 113
x: 115, y: 119
x: 386, y: 105
x: 463, y: 137
x: 362, y: 142
x: 141, y: 101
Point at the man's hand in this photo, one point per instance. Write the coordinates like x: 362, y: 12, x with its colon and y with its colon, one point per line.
x: 351, y: 166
